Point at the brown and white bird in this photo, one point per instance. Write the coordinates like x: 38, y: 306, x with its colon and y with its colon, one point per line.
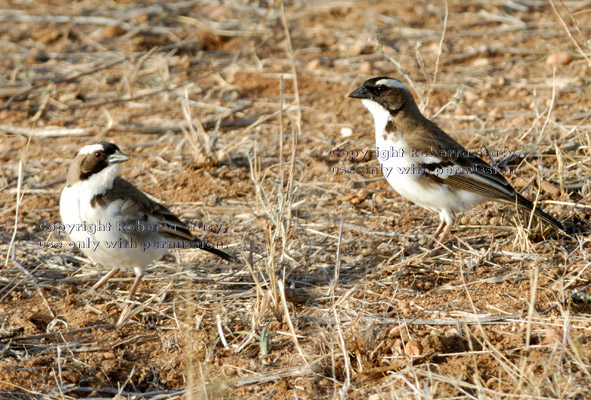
x: 425, y: 165
x: 113, y: 222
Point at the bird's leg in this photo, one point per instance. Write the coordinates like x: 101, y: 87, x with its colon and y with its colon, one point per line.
x: 127, y: 310
x: 136, y: 285
x: 441, y: 234
x: 444, y: 234
x: 104, y: 279
x: 435, y: 243
x: 439, y: 229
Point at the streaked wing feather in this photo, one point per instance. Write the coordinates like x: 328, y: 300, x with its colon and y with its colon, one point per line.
x: 478, y: 176
x: 138, y: 208
x: 468, y: 183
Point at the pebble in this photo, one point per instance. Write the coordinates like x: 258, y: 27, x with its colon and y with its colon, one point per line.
x: 413, y: 348
x: 496, y: 112
x: 481, y: 62
x: 312, y: 65
x: 561, y: 57
x: 461, y: 111
x: 519, y: 120
x: 470, y: 96
x: 365, y: 68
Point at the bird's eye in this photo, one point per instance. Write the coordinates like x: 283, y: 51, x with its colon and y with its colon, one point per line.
x: 380, y: 89
x: 98, y: 154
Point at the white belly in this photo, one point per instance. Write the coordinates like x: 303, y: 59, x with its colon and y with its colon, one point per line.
x: 401, y: 166
x: 110, y: 246
x: 403, y: 172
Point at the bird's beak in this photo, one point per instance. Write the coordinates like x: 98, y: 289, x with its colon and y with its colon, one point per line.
x: 117, y: 158
x: 360, y: 93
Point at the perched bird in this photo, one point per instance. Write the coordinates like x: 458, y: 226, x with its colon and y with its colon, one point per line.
x: 425, y: 165
x: 113, y: 222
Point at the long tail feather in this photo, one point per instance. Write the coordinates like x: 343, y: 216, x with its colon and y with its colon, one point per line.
x: 199, y: 244
x: 527, y: 205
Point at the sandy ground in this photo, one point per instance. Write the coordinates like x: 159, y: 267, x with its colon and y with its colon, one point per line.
x: 335, y: 294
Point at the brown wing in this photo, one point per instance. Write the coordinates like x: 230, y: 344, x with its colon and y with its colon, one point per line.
x: 475, y: 175
x: 137, y: 209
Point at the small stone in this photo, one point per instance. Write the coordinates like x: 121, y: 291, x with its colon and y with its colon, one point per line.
x: 353, y: 50
x: 496, y: 112
x: 214, y: 12
x: 550, y: 188
x: 141, y: 18
x: 470, y: 96
x: 396, y: 330
x: 481, y: 62
x: 276, y: 67
x: 413, y: 348
x: 519, y: 120
x: 561, y: 57
x: 358, y: 197
x: 404, y: 306
x: 312, y: 65
x: 461, y: 111
x: 451, y: 332
x: 110, y: 31
x: 519, y: 182
x: 365, y: 67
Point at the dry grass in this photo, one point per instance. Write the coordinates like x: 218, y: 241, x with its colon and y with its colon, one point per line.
x: 231, y: 112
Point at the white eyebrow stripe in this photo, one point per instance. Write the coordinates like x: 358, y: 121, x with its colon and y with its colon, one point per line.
x: 392, y: 83
x: 91, y: 148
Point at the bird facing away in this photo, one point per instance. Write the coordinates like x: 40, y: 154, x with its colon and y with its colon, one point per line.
x: 425, y: 165
x: 120, y: 225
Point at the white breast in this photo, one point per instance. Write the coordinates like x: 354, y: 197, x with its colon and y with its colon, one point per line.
x: 75, y: 208
x: 401, y: 166
x: 75, y: 199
